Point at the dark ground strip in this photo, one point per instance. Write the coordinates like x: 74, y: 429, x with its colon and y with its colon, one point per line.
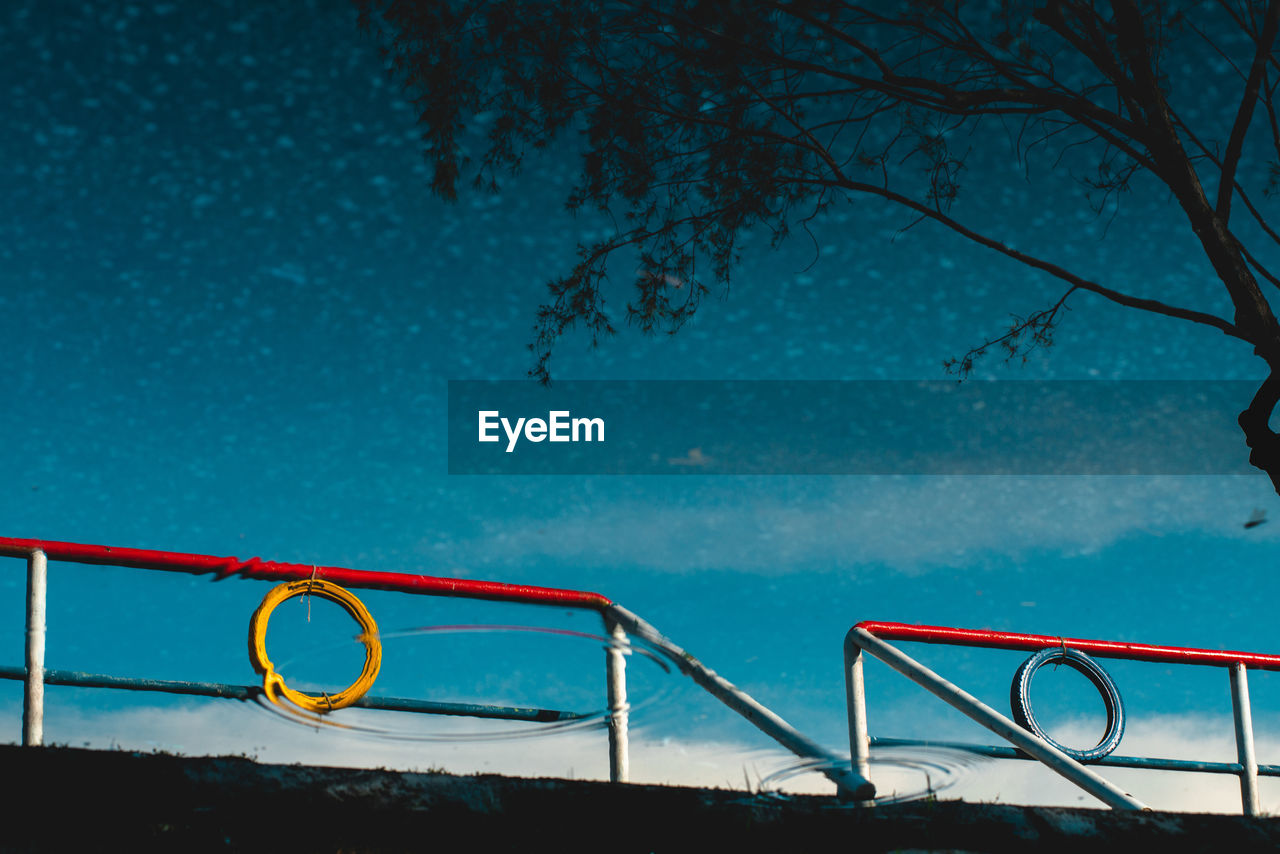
x: 65, y: 796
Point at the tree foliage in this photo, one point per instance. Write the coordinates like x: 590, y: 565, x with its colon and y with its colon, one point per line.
x: 701, y: 119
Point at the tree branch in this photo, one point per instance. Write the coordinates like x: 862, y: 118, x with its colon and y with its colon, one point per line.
x: 1231, y: 159
x: 1115, y: 296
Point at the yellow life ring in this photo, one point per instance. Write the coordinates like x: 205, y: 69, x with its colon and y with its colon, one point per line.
x: 273, y: 683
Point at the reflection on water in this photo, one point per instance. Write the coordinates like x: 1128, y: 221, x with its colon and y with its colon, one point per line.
x: 526, y: 682
x: 900, y: 773
x: 489, y: 684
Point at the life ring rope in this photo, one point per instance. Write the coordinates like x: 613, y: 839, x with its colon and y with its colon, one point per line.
x: 273, y: 684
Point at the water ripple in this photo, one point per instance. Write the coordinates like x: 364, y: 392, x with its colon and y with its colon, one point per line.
x: 900, y: 772
x: 579, y: 698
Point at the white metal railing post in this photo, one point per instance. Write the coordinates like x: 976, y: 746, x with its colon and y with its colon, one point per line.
x: 855, y: 689
x: 616, y: 675
x: 33, y: 696
x: 1051, y: 756
x: 1244, y: 739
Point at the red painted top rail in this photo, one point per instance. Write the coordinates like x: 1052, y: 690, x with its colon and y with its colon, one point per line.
x: 1100, y: 648
x: 266, y: 570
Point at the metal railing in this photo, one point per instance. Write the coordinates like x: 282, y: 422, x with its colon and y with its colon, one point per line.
x: 620, y: 626
x: 872, y: 636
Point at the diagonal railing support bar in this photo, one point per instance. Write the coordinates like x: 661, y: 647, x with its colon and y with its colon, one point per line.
x: 1051, y: 756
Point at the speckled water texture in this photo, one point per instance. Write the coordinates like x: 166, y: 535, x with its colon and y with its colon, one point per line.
x: 229, y: 308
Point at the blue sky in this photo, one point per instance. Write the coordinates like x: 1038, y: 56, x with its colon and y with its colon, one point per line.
x: 229, y: 309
